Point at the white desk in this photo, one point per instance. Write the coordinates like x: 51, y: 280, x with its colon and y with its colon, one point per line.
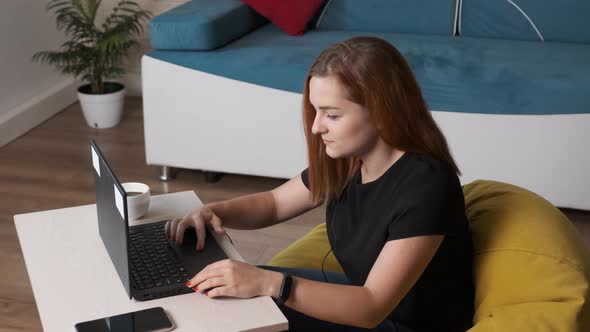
x: 73, y: 279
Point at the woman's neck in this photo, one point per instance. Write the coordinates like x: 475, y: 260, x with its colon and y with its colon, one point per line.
x: 377, y: 161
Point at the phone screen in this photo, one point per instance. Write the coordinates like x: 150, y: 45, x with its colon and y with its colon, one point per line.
x: 148, y: 320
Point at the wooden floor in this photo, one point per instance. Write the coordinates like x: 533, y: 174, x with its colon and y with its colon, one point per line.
x: 49, y: 168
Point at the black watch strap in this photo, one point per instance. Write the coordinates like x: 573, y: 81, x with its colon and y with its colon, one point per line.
x: 285, y: 289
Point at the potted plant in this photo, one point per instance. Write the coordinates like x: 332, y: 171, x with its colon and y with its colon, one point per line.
x: 95, y: 54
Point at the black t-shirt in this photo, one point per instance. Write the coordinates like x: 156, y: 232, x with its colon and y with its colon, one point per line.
x: 417, y: 195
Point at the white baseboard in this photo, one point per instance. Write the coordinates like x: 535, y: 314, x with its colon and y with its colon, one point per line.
x: 34, y: 111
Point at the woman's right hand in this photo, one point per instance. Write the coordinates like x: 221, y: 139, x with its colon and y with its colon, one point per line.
x: 198, y: 219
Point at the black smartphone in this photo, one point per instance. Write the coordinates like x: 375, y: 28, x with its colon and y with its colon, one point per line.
x: 148, y: 320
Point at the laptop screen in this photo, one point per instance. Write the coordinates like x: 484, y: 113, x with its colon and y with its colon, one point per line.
x: 111, y: 208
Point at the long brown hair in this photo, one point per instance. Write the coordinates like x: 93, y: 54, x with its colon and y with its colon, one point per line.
x: 376, y: 76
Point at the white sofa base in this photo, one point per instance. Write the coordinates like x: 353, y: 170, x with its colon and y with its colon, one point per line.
x: 196, y: 120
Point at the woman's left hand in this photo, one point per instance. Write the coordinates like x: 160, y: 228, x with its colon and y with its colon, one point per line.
x: 236, y: 279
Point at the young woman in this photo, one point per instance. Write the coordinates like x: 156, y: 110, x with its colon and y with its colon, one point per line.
x: 395, y: 211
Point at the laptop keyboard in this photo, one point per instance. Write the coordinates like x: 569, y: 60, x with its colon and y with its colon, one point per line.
x: 152, y: 263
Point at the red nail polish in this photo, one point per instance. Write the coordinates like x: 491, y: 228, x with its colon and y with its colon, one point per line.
x: 196, y: 288
x: 188, y: 283
x: 207, y: 293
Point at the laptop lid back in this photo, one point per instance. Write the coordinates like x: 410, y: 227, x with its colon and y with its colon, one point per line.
x: 111, y: 208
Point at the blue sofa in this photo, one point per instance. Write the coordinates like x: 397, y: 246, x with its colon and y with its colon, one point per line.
x: 507, y: 82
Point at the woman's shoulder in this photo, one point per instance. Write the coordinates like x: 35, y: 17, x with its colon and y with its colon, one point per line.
x: 427, y: 174
x: 427, y: 167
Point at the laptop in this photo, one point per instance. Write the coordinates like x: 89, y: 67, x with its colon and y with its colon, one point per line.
x: 149, y: 265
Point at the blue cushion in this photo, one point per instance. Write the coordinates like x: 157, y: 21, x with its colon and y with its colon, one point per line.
x: 563, y: 20
x: 468, y: 75
x: 494, y: 76
x: 202, y: 25
x: 407, y: 16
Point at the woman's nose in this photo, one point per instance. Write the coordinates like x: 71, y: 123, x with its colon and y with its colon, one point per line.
x: 317, y: 127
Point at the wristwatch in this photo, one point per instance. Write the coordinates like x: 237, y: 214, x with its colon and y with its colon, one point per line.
x: 285, y: 289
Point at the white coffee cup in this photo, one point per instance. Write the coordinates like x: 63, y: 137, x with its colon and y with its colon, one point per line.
x: 138, y: 199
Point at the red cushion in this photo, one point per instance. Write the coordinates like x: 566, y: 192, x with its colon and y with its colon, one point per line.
x: 290, y: 15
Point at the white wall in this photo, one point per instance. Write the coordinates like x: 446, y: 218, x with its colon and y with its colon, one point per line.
x: 31, y: 93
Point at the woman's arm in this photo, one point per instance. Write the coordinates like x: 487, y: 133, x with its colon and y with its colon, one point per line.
x: 248, y: 212
x: 396, y: 270
x: 265, y: 209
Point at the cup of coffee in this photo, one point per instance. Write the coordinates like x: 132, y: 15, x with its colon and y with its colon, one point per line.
x: 138, y: 199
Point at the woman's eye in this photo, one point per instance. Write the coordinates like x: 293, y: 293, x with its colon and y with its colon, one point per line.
x: 332, y: 117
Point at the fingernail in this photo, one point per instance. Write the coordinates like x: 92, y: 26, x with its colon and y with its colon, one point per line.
x: 207, y: 293
x: 188, y: 283
x: 196, y: 288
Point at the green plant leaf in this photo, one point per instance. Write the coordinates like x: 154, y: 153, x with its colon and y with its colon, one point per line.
x: 91, y: 53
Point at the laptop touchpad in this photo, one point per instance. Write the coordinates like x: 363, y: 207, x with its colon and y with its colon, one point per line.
x: 195, y: 260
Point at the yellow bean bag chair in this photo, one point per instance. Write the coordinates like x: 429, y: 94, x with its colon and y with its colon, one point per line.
x: 531, y: 268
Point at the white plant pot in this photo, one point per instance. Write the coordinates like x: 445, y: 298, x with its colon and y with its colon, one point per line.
x: 102, y: 111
